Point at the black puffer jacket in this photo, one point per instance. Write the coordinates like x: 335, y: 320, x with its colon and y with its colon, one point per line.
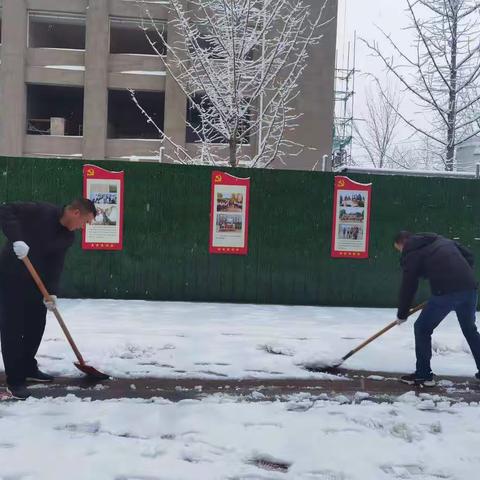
x: 447, y: 264
x: 37, y: 224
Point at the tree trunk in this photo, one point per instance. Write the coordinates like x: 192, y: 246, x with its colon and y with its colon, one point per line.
x: 452, y: 101
x: 233, y: 151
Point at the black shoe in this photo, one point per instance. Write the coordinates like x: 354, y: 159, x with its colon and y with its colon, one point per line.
x: 39, y: 376
x: 18, y: 392
x: 414, y: 379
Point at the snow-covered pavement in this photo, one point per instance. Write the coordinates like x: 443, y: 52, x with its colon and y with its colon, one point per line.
x: 165, y: 339
x: 220, y: 438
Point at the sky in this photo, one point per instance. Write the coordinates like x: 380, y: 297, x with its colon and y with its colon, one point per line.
x: 363, y: 17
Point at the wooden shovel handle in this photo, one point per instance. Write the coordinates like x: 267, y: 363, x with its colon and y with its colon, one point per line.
x: 381, y: 332
x: 48, y: 298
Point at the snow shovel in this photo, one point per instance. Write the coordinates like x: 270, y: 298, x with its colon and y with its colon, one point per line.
x: 332, y: 365
x: 81, y: 365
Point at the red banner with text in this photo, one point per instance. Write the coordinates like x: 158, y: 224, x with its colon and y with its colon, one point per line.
x: 229, y: 214
x: 105, y: 189
x: 351, y: 218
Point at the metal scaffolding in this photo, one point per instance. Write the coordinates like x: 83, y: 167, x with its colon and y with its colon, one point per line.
x: 344, y: 108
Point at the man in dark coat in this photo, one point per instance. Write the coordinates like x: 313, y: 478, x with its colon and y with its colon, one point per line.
x: 448, y: 266
x: 44, y: 232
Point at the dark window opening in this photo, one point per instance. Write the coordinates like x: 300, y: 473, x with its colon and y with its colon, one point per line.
x: 54, y: 110
x: 196, y: 134
x: 129, y: 36
x: 48, y: 31
x: 125, y: 120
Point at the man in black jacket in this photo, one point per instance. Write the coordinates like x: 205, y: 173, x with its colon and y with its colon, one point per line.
x: 448, y: 266
x: 44, y: 232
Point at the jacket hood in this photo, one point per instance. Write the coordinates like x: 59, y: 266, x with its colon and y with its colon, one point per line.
x: 419, y: 240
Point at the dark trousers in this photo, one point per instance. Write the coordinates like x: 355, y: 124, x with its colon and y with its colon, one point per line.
x: 22, y: 324
x: 438, y: 307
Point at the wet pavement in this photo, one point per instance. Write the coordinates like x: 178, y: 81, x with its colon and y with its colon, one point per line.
x: 380, y: 386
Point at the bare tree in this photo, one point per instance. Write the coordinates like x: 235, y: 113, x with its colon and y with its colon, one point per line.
x: 376, y: 133
x: 443, y: 75
x: 238, y: 62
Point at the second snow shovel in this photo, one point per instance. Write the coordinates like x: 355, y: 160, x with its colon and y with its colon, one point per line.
x: 332, y: 365
x: 81, y: 365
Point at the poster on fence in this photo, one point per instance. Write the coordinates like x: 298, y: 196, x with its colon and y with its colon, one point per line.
x: 351, y: 218
x: 229, y: 214
x: 105, y: 190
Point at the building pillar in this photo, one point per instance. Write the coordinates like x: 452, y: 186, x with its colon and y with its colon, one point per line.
x: 12, y: 77
x: 175, y: 102
x: 95, y: 116
x: 316, y: 102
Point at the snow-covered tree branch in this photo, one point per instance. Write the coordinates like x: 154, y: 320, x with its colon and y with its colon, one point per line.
x: 376, y: 133
x: 443, y: 75
x: 238, y: 62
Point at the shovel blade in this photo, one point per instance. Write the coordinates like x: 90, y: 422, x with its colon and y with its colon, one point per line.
x: 91, y: 372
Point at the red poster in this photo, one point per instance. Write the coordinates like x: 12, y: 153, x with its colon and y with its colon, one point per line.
x: 106, y: 190
x: 229, y: 214
x: 351, y: 218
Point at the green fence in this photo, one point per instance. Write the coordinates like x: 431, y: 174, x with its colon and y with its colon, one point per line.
x: 166, y: 233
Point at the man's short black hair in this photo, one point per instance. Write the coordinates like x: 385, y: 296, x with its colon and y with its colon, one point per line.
x: 402, y: 236
x: 84, y: 205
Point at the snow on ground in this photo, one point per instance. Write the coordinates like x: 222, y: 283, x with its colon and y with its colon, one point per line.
x: 167, y: 339
x: 220, y: 438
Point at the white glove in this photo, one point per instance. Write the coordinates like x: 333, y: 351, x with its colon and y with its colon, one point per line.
x: 21, y: 249
x: 50, y: 305
x: 400, y: 321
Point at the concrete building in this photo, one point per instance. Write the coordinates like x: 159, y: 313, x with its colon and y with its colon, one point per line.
x: 67, y: 65
x: 467, y: 156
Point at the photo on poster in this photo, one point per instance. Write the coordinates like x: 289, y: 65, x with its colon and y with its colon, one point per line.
x: 352, y: 214
x: 229, y: 223
x: 106, y: 215
x: 347, y: 231
x: 230, y: 202
x: 105, y: 197
x: 352, y: 198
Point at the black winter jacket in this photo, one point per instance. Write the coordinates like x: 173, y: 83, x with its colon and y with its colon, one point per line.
x: 38, y: 225
x: 447, y: 264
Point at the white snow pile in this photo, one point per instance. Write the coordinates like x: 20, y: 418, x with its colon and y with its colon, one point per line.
x: 179, y: 340
x: 221, y: 438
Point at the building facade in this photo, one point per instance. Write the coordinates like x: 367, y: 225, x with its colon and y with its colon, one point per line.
x: 67, y: 67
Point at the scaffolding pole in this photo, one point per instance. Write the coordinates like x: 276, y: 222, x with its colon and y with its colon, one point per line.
x: 344, y: 108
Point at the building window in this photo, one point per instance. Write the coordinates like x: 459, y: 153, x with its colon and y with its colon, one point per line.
x: 53, y: 110
x: 63, y: 31
x: 125, y: 120
x: 129, y: 36
x: 195, y: 133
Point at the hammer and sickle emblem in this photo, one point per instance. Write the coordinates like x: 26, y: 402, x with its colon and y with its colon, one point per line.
x: 218, y: 178
x: 90, y: 172
x: 341, y: 183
